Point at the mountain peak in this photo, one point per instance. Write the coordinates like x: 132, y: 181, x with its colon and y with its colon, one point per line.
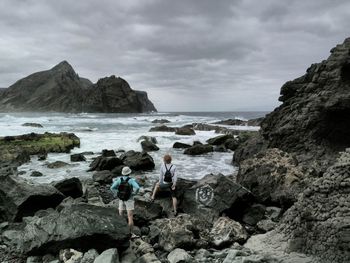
x: 63, y: 66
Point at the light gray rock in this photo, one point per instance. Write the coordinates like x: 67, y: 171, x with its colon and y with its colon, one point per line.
x: 148, y: 258
x: 179, y: 255
x: 89, y: 256
x: 266, y: 225
x: 34, y: 259
x: 70, y: 256
x: 108, y: 256
x: 226, y: 231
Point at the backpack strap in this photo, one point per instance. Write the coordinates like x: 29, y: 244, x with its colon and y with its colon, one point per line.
x: 169, y: 168
x: 127, y: 179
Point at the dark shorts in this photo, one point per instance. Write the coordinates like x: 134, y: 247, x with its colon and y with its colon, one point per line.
x: 167, y: 187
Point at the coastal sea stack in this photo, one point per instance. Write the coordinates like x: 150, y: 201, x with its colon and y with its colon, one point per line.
x: 60, y: 89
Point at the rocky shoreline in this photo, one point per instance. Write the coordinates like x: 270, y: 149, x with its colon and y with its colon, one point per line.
x: 289, y: 202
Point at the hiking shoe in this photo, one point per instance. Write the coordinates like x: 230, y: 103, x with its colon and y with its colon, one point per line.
x: 175, y: 213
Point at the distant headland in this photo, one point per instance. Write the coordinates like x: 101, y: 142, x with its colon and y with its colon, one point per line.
x: 60, y: 89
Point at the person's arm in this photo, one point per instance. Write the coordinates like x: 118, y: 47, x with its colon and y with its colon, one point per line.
x: 114, y: 186
x: 135, y: 186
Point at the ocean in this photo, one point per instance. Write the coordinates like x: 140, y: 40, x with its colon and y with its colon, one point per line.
x: 98, y: 131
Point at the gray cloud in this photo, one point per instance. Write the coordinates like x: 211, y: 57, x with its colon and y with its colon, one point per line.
x: 201, y: 55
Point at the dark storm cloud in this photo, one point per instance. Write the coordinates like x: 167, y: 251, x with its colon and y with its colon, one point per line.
x: 200, y: 54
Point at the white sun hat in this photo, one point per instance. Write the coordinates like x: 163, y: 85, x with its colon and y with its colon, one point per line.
x: 126, y: 170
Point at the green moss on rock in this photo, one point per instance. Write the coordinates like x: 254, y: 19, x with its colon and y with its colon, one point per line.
x: 18, y: 148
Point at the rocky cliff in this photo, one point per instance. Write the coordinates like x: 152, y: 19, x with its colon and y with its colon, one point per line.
x: 61, y: 89
x: 294, y: 161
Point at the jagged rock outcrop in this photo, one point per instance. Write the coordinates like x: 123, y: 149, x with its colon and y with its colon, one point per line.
x: 61, y: 89
x: 309, y: 130
x: 314, y: 117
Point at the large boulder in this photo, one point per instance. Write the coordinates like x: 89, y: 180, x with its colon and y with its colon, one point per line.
x: 185, y: 131
x: 218, y: 140
x: 182, y: 231
x: 149, y: 146
x: 162, y: 128
x: 199, y: 149
x: 273, y: 176
x: 226, y: 231
x: 104, y: 177
x: 70, y: 187
x: 79, y: 226
x: 105, y: 163
x: 138, y: 160
x: 78, y: 157
x: 180, y: 145
x: 19, y: 198
x: 146, y: 211
x: 216, y: 194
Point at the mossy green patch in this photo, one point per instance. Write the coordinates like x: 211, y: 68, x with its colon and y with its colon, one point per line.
x: 13, y: 146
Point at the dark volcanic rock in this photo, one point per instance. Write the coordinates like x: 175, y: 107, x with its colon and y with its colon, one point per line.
x: 105, y: 176
x: 105, y: 163
x: 221, y: 139
x: 137, y: 160
x: 78, y: 157
x: 149, y: 146
x: 185, y: 131
x: 19, y: 198
x: 180, y: 145
x: 313, y: 120
x: 31, y: 124
x: 146, y: 211
x: 108, y: 153
x: 273, y: 177
x: 235, y: 122
x: 113, y: 94
x: 199, y: 149
x: 161, y: 121
x: 57, y: 164
x: 61, y: 89
x: 36, y: 174
x: 213, y: 195
x: 79, y: 226
x: 70, y: 187
x: 162, y: 128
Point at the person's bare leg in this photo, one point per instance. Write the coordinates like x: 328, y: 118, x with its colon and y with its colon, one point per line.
x: 131, y: 220
x: 175, y: 204
x: 156, y: 188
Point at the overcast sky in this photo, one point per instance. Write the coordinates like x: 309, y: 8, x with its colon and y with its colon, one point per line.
x: 189, y: 55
